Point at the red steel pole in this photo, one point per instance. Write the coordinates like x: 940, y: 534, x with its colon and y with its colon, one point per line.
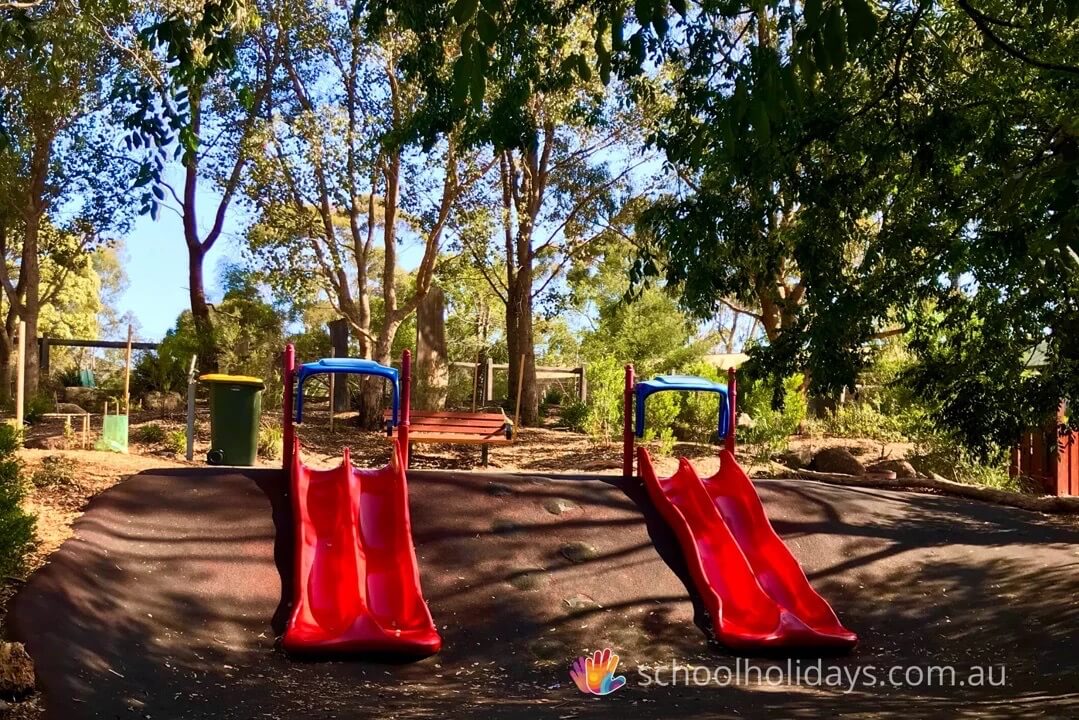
x: 627, y: 425
x: 406, y: 402
x: 732, y: 415
x: 288, y: 432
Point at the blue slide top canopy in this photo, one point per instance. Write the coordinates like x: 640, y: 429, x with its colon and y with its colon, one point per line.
x: 689, y: 383
x: 351, y: 366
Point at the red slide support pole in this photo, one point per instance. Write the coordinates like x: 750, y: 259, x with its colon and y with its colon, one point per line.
x: 406, y: 402
x: 288, y: 431
x: 732, y: 422
x: 627, y: 425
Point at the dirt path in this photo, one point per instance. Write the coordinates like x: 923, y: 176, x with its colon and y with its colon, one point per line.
x: 167, y: 602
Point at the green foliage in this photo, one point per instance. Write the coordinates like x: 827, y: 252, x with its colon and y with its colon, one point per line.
x: 16, y: 526
x: 270, y: 444
x: 36, y: 407
x: 864, y: 420
x: 150, y: 433
x: 159, y: 371
x: 69, y: 433
x: 944, y: 456
x: 55, y: 471
x: 176, y: 441
x: 773, y: 422
x: 575, y: 415
x: 606, y: 383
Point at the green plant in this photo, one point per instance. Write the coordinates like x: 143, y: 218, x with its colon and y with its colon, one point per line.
x: 606, y: 383
x: 55, y: 471
x: 36, y: 407
x: 176, y: 441
x: 270, y: 442
x: 16, y: 526
x: 151, y: 434
x: 69, y: 377
x: 943, y: 455
x: 863, y: 420
x: 575, y: 415
x: 771, y: 428
x: 69, y: 433
x: 555, y: 395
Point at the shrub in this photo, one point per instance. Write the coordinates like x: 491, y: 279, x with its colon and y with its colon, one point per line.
x: 555, y: 395
x: 69, y: 433
x: 16, y: 526
x: 772, y: 427
x: 36, y: 407
x: 946, y: 457
x: 55, y: 471
x: 575, y: 415
x: 270, y: 442
x: 176, y: 441
x: 151, y: 434
x: 606, y: 381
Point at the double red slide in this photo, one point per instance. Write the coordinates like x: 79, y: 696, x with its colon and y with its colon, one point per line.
x: 753, y: 587
x: 357, y: 585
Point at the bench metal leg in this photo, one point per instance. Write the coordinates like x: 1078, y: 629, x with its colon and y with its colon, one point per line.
x: 483, y: 454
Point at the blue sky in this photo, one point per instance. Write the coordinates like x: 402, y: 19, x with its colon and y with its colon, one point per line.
x: 157, y: 268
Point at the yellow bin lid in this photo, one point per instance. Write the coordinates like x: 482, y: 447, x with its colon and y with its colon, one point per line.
x: 231, y: 379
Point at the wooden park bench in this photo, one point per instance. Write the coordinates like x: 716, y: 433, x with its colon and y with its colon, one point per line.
x: 458, y: 428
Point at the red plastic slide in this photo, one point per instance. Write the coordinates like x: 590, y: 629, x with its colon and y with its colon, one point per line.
x: 754, y: 589
x: 357, y: 585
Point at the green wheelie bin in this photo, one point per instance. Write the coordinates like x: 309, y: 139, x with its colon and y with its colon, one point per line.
x: 235, y: 411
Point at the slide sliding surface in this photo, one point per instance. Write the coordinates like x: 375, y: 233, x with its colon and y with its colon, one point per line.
x: 357, y: 585
x: 754, y: 589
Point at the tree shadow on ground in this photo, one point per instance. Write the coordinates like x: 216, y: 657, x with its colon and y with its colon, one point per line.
x: 169, y: 599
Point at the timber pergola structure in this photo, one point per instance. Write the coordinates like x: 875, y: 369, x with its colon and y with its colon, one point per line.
x: 45, y: 343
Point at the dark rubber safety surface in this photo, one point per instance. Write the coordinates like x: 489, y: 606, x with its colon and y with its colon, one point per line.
x: 168, y: 602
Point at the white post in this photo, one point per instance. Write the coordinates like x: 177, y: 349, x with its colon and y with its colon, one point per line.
x: 191, y: 387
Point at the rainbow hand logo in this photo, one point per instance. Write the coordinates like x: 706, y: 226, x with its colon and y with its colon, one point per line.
x: 595, y: 675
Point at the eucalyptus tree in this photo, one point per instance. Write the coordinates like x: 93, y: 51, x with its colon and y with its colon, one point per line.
x: 339, y: 196
x: 60, y: 166
x: 206, y: 76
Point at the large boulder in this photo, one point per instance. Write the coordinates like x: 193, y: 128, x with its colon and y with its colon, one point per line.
x: 163, y: 402
x: 837, y: 460
x: 901, y: 468
x: 795, y: 459
x: 86, y: 397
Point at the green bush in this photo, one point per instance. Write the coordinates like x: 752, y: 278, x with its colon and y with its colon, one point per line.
x: 151, y: 434
x: 771, y: 427
x: 606, y: 383
x: 176, y: 441
x: 575, y: 415
x: 16, y: 526
x: 36, y: 407
x: 270, y: 442
x: 698, y: 415
x: 55, y: 471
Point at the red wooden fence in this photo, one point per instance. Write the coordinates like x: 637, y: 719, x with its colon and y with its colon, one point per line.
x: 1050, y: 458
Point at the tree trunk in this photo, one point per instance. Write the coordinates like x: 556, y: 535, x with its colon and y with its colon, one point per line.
x: 209, y: 355
x: 431, y: 367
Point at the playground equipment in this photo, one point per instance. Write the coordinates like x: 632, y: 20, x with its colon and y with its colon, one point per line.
x: 356, y: 581
x: 754, y: 589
